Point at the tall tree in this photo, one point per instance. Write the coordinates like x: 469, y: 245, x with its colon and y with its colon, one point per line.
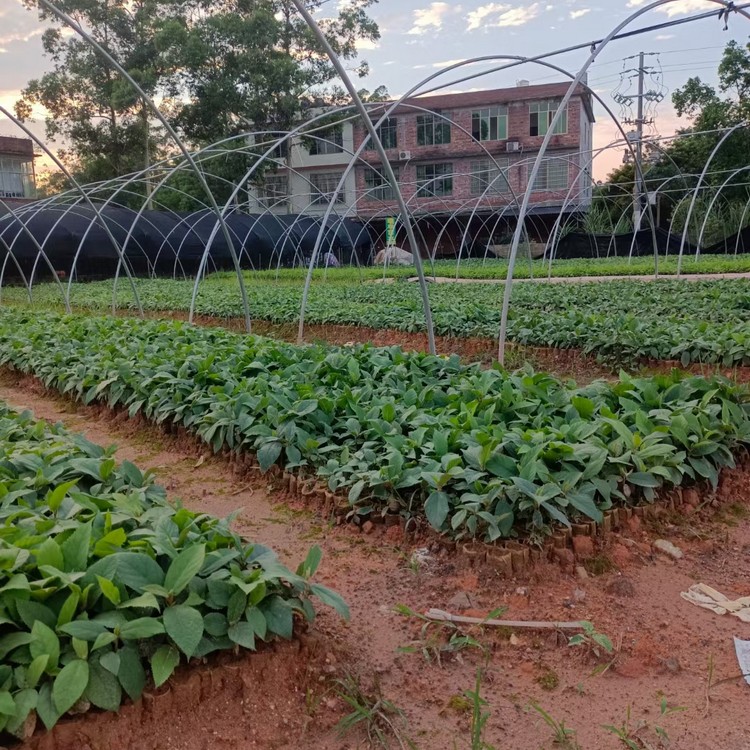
x: 249, y: 63
x: 96, y: 112
x: 218, y: 67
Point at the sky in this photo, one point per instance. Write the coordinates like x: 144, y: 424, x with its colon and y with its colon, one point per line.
x: 420, y: 38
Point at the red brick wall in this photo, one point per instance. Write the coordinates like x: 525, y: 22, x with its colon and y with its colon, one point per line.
x: 463, y: 149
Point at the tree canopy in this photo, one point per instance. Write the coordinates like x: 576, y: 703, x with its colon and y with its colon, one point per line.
x: 673, y: 168
x: 217, y: 68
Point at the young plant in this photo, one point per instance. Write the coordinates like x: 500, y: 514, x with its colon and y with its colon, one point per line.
x: 592, y: 641
x: 438, y: 639
x: 641, y: 735
x: 479, y: 716
x: 562, y: 736
x: 377, y: 716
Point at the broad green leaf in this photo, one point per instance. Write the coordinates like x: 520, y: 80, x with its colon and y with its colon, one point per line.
x: 242, y: 633
x: 109, y: 590
x: 131, y: 673
x: 643, y: 479
x: 436, y: 509
x: 279, y: 618
x: 309, y: 567
x: 184, y: 625
x: 44, y: 643
x: 184, y: 568
x: 69, y: 685
x: 268, y: 455
x: 103, y: 689
x: 331, y: 598
x: 140, y: 628
x: 75, y: 548
x: 163, y: 663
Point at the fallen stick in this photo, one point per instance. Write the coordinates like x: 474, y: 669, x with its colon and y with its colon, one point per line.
x: 441, y: 616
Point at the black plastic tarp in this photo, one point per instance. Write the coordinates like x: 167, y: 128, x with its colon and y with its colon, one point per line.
x: 167, y: 243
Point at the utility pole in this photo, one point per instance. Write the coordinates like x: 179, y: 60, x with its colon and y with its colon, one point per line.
x: 637, y: 206
x: 636, y: 137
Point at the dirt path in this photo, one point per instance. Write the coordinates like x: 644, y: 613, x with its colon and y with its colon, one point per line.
x: 665, y: 644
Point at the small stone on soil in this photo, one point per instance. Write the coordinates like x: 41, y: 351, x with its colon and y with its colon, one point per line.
x: 581, y: 573
x: 668, y: 549
x: 461, y: 601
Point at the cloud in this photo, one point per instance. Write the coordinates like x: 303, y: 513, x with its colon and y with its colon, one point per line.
x: 364, y: 44
x: 663, y: 37
x: 579, y: 13
x: 431, y: 18
x: 678, y: 7
x: 499, y: 15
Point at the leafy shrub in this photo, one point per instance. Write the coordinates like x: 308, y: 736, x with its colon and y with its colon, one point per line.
x: 482, y: 453
x: 102, y: 579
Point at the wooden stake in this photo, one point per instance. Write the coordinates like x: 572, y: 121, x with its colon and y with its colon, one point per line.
x: 441, y: 616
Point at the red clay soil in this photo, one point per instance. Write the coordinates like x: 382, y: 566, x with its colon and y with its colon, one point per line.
x: 286, y: 700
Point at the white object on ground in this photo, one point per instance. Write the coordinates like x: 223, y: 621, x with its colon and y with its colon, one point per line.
x: 743, y: 657
x: 708, y: 598
x: 667, y: 548
x: 394, y: 256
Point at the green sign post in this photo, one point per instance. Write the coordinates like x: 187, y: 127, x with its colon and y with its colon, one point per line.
x: 390, y: 231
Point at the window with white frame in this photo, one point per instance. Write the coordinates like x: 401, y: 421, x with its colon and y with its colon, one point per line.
x: 377, y: 185
x: 323, y: 186
x: 434, y: 180
x: 16, y: 178
x: 388, y: 133
x: 541, y: 115
x: 327, y: 141
x: 274, y: 190
x: 433, y: 130
x: 552, y: 175
x: 490, y: 124
x: 489, y: 178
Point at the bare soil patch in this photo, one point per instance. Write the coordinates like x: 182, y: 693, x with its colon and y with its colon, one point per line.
x: 665, y: 644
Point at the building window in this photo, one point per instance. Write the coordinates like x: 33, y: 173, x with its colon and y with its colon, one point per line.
x: 540, y: 118
x: 16, y: 178
x: 377, y: 185
x: 274, y: 190
x: 322, y: 187
x: 434, y: 180
x: 488, y: 178
x: 388, y: 133
x: 490, y: 124
x: 552, y: 175
x: 432, y: 130
x: 328, y: 141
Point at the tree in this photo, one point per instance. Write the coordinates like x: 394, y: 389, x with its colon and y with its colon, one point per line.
x: 250, y: 64
x: 218, y: 67
x: 91, y: 107
x: 674, y: 169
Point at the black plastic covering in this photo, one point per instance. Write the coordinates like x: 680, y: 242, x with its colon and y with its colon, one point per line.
x: 580, y: 245
x: 166, y: 244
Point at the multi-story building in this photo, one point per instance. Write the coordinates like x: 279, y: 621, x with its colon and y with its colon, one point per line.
x: 17, y: 179
x: 462, y: 162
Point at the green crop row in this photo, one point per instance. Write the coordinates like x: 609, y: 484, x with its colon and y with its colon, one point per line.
x: 494, y: 268
x: 621, y: 322
x: 481, y: 453
x: 102, y: 579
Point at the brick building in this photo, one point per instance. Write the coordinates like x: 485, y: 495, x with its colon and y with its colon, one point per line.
x: 462, y: 162
x: 17, y: 181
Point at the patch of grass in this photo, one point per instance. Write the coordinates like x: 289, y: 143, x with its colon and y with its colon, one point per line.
x: 379, y: 718
x: 598, y: 565
x: 547, y: 679
x: 562, y: 736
